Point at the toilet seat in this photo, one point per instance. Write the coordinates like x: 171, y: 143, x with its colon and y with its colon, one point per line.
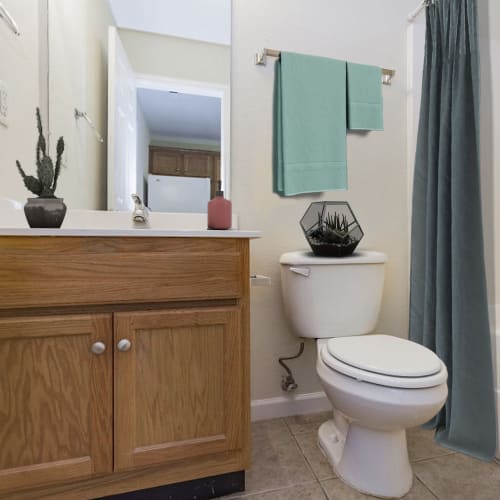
x: 384, y: 360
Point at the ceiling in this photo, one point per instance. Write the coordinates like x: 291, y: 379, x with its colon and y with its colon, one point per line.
x: 181, y: 116
x: 203, y: 20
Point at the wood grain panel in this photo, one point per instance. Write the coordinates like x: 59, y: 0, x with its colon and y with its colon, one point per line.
x: 210, y: 441
x: 132, y: 480
x: 178, y: 391
x: 164, y: 161
x: 55, y: 399
x: 244, y: 423
x: 48, y: 271
x: 198, y: 164
x: 191, y: 378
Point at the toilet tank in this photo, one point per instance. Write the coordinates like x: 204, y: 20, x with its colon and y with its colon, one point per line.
x: 332, y: 297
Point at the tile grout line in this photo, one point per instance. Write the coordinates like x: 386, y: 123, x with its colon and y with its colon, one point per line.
x: 314, y: 479
x: 430, y: 459
x: 323, y: 489
x: 428, y: 488
x: 270, y: 490
x: 302, y: 453
x: 317, y: 480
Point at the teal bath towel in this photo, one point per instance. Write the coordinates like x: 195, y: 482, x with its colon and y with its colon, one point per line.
x: 364, y: 97
x: 309, y: 125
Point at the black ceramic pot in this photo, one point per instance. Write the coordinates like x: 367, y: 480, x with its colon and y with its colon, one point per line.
x: 45, y: 212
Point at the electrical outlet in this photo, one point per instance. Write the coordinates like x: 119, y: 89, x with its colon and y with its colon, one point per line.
x: 4, y: 108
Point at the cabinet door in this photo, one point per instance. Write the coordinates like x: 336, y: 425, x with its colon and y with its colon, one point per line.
x: 198, y: 164
x: 165, y: 162
x: 55, y: 399
x: 179, y: 389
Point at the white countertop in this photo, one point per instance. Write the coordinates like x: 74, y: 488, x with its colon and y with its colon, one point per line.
x: 141, y: 232
x: 103, y: 223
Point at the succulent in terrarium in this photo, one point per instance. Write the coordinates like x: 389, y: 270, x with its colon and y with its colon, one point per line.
x: 331, y: 228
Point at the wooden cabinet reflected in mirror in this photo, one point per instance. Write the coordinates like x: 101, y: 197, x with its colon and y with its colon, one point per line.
x: 185, y: 163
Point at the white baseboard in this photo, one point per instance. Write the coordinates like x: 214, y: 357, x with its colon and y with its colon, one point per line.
x: 286, y: 406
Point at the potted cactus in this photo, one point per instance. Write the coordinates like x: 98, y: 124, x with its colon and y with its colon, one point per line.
x: 46, y: 210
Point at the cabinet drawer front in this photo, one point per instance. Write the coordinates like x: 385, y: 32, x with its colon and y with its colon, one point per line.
x: 55, y: 400
x: 179, y: 390
x: 40, y: 272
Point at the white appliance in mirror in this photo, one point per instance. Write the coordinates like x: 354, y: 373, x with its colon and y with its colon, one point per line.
x: 169, y: 193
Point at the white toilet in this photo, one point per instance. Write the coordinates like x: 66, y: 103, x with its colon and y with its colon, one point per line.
x: 379, y: 385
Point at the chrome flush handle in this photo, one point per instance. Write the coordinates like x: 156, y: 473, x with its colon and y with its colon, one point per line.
x: 303, y: 271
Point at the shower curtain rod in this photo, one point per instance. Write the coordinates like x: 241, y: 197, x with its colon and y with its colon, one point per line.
x: 261, y: 60
x: 414, y: 14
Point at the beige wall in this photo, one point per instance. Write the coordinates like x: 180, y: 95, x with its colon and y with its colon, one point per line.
x: 78, y: 37
x: 19, y: 69
x: 489, y: 39
x: 367, y: 32
x: 177, y: 57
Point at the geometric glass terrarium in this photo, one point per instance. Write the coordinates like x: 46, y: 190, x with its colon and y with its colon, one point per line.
x: 331, y: 228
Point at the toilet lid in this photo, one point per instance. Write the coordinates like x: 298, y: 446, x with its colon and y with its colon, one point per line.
x: 387, y: 361
x: 385, y: 355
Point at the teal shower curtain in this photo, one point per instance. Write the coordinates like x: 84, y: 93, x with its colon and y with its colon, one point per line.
x: 448, y: 301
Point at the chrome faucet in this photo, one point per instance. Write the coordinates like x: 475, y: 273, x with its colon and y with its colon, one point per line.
x: 140, y: 213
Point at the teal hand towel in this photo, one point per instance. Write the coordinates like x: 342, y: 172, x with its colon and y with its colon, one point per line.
x: 364, y: 97
x: 309, y: 124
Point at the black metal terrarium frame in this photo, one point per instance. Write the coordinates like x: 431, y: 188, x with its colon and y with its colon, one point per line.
x: 331, y: 228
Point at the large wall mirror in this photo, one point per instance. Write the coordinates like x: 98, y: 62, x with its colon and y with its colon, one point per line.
x: 141, y: 92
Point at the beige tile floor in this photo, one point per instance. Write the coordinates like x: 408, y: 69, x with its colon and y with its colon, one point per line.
x: 288, y: 465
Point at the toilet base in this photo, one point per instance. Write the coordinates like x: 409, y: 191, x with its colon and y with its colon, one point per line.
x: 371, y: 461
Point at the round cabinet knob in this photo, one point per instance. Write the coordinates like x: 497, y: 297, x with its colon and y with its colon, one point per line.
x: 124, y: 345
x: 98, y: 347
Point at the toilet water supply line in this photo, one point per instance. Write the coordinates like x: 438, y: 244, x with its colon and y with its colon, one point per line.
x: 288, y: 383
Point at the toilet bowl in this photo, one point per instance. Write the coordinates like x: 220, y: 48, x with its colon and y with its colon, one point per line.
x: 365, y: 441
x: 378, y: 385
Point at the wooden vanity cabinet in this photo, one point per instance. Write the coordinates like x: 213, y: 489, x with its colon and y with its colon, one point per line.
x: 167, y: 398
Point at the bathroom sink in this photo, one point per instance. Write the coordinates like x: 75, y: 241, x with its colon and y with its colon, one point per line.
x: 113, y: 223
x: 100, y: 219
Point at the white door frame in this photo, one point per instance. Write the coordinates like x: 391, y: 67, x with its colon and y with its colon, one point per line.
x: 119, y: 70
x: 157, y: 82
